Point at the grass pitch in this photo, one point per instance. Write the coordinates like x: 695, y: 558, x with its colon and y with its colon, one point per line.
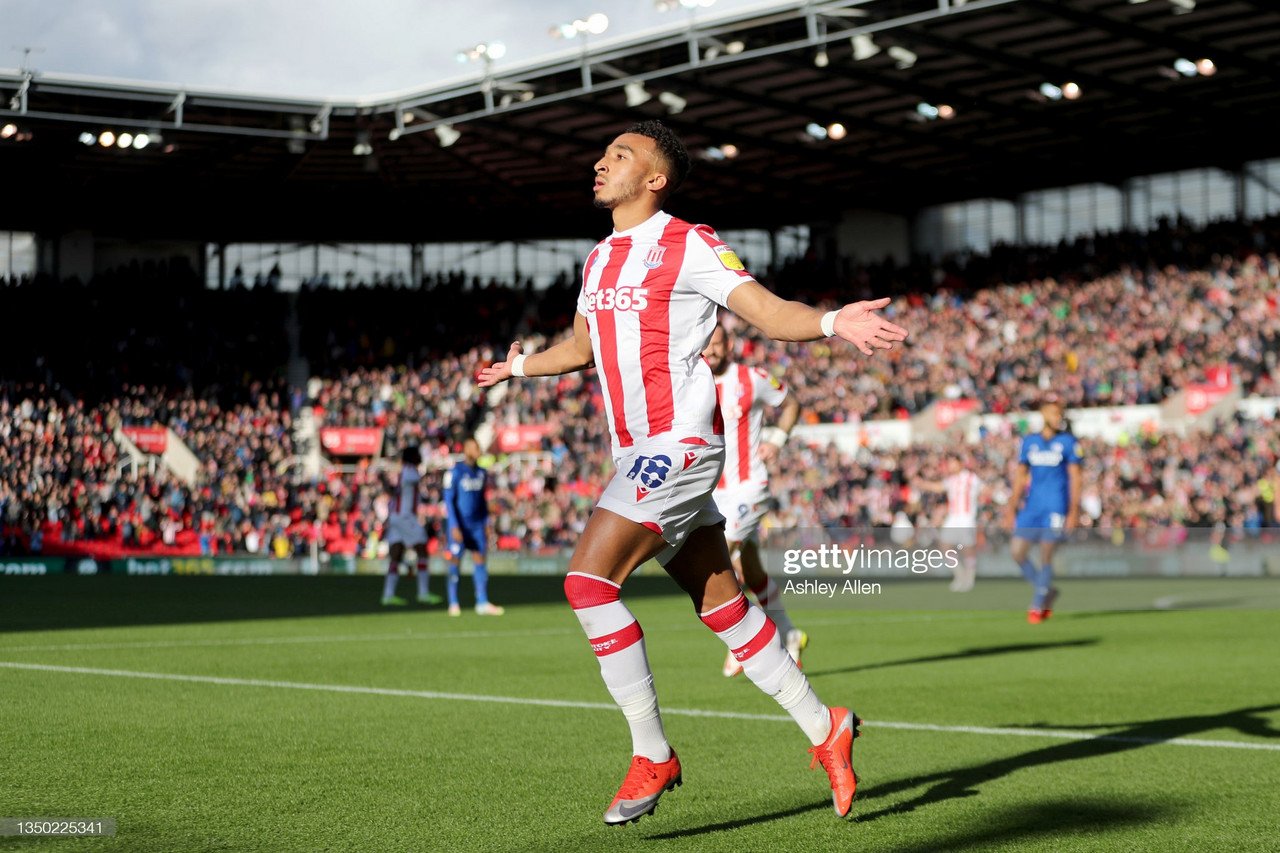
x: 280, y: 714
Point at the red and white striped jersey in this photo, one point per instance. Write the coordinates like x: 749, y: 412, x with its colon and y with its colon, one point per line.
x: 743, y: 393
x: 962, y: 496
x: 405, y: 500
x: 649, y: 295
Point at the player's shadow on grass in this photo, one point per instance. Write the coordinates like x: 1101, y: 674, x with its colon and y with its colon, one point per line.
x: 1042, y: 820
x: 967, y: 781
x: 69, y: 601
x: 965, y: 654
x: 1083, y: 822
x: 725, y: 825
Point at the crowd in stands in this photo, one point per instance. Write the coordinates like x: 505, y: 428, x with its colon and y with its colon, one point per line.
x: 1102, y: 321
x: 1222, y: 478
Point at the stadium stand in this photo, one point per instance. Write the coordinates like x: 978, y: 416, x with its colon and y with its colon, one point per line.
x: 1129, y: 320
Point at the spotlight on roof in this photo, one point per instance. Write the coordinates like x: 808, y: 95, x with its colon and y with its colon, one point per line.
x: 1206, y: 67
x: 673, y: 102
x: 730, y: 151
x: 363, y: 146
x: 636, y: 93
x: 715, y: 47
x: 903, y: 58
x: 864, y: 47
x: 946, y: 112
x: 1182, y: 7
x: 927, y: 111
x: 821, y: 59
x: 815, y: 130
x: 87, y: 138
x: 485, y: 51
x: 836, y: 131
x: 8, y: 131
x: 1185, y: 67
x: 1050, y: 91
x: 106, y: 139
x: 447, y: 135
x: 594, y: 24
x: 142, y: 140
x: 124, y: 140
x: 1071, y: 91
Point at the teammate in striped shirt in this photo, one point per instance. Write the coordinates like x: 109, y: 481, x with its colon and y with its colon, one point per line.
x: 742, y: 495
x: 960, y: 528
x: 404, y: 530
x: 646, y: 311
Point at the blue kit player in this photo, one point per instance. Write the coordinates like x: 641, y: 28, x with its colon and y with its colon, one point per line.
x: 468, y: 519
x: 1048, y: 475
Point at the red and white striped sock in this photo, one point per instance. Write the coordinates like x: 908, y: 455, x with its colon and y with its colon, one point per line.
x: 770, y: 599
x: 754, y: 641
x: 618, y: 642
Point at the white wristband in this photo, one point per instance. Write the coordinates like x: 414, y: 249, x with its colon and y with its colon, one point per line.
x: 517, y: 365
x: 829, y: 323
x: 776, y: 436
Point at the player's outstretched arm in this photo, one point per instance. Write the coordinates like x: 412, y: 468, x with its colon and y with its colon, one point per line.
x: 1073, y: 496
x: 858, y: 323
x: 565, y: 357
x: 775, y: 436
x: 1021, y: 477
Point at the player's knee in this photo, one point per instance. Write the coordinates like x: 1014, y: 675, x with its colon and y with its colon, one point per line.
x: 584, y: 590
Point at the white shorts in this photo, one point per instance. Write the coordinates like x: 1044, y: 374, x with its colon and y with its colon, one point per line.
x: 405, y: 530
x: 744, y: 505
x: 665, y: 484
x: 959, y: 530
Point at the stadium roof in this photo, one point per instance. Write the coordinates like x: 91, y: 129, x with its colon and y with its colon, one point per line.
x: 233, y: 166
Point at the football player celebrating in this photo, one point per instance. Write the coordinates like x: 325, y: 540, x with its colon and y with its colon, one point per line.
x: 647, y: 309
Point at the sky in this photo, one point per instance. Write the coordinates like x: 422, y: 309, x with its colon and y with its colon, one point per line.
x: 303, y: 48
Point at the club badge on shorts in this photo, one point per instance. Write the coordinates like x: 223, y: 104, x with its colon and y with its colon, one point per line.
x: 650, y: 472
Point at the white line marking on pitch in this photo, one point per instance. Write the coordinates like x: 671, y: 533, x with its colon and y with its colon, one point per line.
x: 603, y: 706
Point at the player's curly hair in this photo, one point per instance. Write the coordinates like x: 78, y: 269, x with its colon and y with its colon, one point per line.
x: 669, y: 145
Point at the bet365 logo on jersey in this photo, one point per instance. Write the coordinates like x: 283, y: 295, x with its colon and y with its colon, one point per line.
x: 618, y: 299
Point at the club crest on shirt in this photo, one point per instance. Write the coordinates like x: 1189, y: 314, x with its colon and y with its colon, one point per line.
x: 653, y: 260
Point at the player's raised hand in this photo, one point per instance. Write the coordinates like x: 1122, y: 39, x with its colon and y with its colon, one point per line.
x: 499, y: 371
x: 859, y: 324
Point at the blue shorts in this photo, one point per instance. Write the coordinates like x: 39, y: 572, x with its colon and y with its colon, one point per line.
x: 474, y: 539
x: 1037, y: 525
